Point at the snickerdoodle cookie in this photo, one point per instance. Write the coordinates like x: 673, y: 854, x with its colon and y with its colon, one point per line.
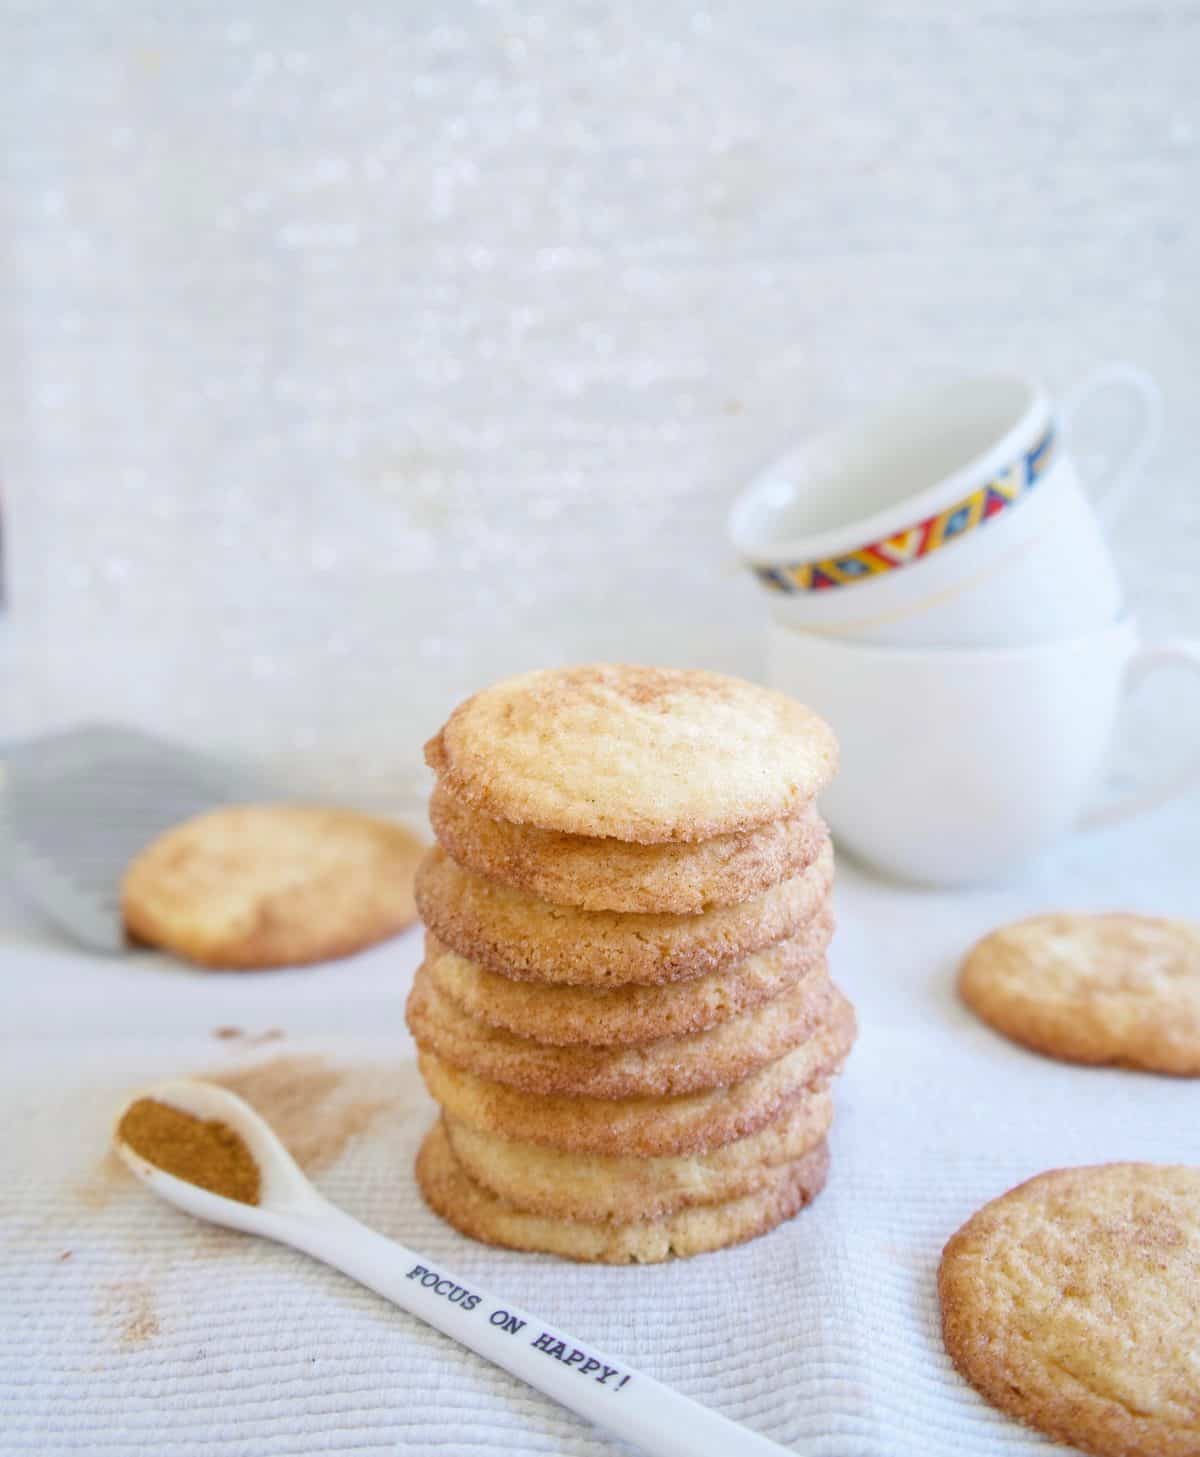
x: 645, y: 1127
x: 628, y: 1015
x: 263, y: 885
x: 1072, y: 1303
x: 474, y: 1211
x: 616, y: 875
x: 642, y: 754
x: 724, y: 1054
x: 594, y: 1186
x: 1119, y: 989
x: 513, y: 933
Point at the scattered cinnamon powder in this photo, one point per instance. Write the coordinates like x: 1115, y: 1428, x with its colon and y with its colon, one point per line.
x: 130, y: 1305
x: 315, y: 1109
x: 107, y: 1180
x: 140, y: 1328
x: 203, y: 1151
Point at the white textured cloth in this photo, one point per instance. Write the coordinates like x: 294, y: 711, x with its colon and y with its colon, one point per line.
x: 159, y: 1335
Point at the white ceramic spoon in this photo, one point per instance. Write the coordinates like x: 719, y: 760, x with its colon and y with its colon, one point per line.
x: 292, y: 1212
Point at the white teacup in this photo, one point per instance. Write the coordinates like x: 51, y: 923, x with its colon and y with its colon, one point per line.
x: 956, y: 766
x: 953, y: 518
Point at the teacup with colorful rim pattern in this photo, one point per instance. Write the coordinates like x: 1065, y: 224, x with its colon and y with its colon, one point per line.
x: 952, y: 518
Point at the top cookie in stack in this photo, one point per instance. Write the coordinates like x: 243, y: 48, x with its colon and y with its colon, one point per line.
x: 624, y: 1008
x: 649, y: 756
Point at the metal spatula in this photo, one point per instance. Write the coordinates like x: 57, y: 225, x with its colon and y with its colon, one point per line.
x: 75, y: 807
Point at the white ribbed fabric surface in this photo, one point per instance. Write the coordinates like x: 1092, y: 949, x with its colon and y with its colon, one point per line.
x: 158, y: 1335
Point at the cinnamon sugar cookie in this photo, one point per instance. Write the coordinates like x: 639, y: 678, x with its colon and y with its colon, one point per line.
x: 1116, y: 989
x: 646, y: 1127
x: 519, y: 936
x: 472, y: 1210
x: 725, y: 1054
x: 1071, y: 1303
x: 595, y: 1187
x: 642, y: 754
x: 264, y: 885
x: 627, y: 1015
x: 615, y: 875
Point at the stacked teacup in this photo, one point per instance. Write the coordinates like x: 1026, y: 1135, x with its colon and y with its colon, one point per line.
x: 942, y: 591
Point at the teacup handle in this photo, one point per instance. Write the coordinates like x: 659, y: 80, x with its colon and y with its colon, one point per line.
x: 1144, y: 661
x: 1114, y: 484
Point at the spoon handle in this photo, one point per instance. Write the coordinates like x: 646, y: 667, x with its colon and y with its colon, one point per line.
x: 607, y: 1391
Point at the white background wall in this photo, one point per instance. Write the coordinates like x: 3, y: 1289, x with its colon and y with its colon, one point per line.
x: 353, y: 355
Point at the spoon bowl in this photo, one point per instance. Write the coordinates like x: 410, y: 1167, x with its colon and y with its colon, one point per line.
x: 283, y: 1190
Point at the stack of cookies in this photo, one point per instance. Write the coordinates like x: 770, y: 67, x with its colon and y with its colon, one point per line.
x: 624, y: 1009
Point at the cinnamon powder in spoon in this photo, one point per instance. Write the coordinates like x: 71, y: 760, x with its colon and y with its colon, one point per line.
x: 203, y: 1151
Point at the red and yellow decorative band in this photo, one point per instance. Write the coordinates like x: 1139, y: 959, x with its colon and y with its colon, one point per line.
x: 924, y: 537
